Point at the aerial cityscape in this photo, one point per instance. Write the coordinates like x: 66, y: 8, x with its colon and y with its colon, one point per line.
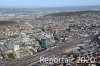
x: 50, y: 36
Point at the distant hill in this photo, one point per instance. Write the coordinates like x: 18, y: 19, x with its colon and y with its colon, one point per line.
x: 70, y: 13
x: 51, y: 9
x: 59, y: 14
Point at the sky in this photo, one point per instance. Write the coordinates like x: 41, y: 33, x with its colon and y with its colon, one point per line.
x: 45, y: 3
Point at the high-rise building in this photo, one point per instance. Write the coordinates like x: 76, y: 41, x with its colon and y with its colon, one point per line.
x: 43, y: 41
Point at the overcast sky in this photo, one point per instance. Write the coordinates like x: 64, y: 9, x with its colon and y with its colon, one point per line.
x: 46, y: 3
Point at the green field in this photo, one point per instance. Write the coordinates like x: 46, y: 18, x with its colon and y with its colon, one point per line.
x: 11, y: 56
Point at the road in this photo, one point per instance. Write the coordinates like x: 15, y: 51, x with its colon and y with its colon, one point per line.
x: 56, y: 51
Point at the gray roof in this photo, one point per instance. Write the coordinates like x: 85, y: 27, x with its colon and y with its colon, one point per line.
x: 9, y: 44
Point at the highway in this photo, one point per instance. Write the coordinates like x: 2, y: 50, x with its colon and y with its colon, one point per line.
x: 53, y: 51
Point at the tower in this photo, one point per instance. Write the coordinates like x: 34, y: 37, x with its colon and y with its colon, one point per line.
x: 43, y: 42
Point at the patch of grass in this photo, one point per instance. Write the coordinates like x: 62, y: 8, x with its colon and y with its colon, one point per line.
x: 14, y: 36
x: 0, y: 50
x: 11, y: 56
x: 2, y: 38
x: 32, y: 51
x: 75, y: 55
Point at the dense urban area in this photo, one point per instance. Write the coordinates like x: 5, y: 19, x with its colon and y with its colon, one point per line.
x: 25, y: 36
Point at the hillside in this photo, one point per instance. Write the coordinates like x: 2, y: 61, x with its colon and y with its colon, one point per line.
x: 7, y: 22
x: 70, y: 13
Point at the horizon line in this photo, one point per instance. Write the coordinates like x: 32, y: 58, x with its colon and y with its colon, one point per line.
x: 50, y: 7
